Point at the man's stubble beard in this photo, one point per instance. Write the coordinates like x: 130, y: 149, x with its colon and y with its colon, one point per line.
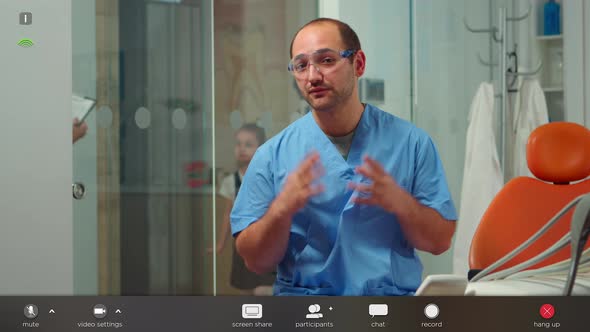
x: 336, y: 99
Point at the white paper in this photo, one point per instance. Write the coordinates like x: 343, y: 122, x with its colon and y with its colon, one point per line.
x: 81, y: 106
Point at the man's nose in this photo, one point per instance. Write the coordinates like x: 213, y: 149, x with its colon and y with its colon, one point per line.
x: 313, y: 73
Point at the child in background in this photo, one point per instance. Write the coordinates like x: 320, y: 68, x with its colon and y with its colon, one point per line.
x: 248, y: 138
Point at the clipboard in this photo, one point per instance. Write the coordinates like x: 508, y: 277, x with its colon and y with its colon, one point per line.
x: 81, y: 107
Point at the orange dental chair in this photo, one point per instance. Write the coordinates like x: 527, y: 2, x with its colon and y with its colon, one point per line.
x: 533, y: 226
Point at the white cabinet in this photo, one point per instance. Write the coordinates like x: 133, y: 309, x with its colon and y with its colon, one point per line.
x: 563, y: 70
x: 574, y: 64
x: 551, y: 77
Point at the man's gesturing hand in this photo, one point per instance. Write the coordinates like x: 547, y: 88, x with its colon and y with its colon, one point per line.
x: 383, y: 191
x: 301, y: 185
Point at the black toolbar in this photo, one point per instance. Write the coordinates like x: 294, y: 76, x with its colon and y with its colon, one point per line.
x: 225, y: 313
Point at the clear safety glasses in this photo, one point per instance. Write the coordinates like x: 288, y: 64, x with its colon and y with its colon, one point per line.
x: 324, y: 61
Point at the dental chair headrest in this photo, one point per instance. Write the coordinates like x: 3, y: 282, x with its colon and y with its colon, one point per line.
x: 559, y: 152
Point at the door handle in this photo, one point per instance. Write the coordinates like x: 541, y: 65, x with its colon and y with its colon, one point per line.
x: 78, y: 190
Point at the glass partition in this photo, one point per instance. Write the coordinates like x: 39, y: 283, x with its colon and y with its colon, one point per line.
x: 144, y: 224
x: 157, y: 149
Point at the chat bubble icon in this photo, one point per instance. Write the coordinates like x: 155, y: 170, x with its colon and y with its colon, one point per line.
x: 378, y: 310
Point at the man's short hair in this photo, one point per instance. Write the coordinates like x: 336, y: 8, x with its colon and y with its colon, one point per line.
x: 349, y: 37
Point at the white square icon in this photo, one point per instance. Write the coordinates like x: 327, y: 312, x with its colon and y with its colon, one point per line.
x: 378, y: 310
x: 251, y: 311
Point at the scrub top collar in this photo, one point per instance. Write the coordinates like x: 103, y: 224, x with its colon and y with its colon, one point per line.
x: 331, y: 153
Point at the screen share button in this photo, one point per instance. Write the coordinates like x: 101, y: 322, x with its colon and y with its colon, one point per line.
x: 252, y: 313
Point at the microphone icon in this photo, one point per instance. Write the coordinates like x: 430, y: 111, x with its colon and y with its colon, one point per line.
x: 31, y: 311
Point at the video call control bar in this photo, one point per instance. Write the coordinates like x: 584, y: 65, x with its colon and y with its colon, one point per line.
x: 237, y: 313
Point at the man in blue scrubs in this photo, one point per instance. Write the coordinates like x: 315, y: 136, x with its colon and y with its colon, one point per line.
x: 339, y: 200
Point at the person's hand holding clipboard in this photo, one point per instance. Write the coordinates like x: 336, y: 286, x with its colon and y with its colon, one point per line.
x: 81, y: 107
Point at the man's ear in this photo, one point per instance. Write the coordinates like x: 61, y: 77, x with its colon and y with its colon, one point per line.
x: 360, y: 61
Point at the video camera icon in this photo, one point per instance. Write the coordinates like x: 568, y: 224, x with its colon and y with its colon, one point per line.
x: 99, y: 311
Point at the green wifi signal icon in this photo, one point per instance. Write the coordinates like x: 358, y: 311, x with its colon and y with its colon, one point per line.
x: 25, y: 43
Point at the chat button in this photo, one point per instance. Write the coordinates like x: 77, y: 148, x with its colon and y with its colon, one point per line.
x: 378, y: 310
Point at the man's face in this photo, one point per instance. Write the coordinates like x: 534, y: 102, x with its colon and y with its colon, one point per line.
x: 324, y: 90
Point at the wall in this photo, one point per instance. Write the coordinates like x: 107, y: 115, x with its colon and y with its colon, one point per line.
x: 36, y: 249
x: 383, y: 29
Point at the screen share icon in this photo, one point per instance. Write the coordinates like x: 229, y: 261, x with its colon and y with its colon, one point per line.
x: 252, y: 311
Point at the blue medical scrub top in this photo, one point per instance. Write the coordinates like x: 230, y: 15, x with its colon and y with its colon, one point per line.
x: 337, y: 247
